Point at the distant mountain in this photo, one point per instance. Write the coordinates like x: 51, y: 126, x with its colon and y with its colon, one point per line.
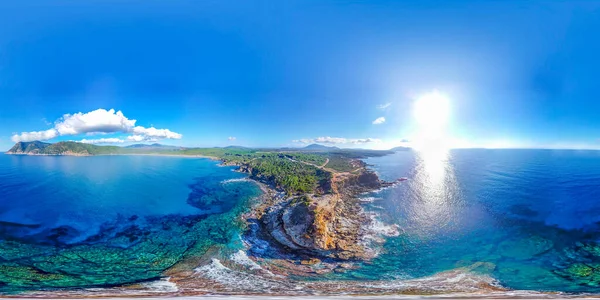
x: 34, y: 147
x: 400, y: 148
x: 236, y: 147
x: 320, y: 147
x: 62, y: 148
x: 151, y: 146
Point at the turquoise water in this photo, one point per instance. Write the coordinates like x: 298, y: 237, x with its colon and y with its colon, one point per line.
x: 528, y: 218
x: 104, y: 220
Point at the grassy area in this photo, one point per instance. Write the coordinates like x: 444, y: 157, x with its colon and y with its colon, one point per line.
x: 293, y: 177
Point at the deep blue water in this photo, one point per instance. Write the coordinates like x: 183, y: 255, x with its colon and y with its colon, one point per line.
x: 531, y: 216
x: 84, y: 192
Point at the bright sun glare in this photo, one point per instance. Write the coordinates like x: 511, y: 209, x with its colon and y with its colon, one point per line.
x: 431, y: 112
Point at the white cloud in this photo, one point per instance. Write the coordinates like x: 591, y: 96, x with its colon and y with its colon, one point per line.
x: 336, y: 140
x: 384, y: 106
x: 232, y: 138
x: 103, y: 141
x: 136, y: 138
x: 99, y: 121
x: 379, y: 120
x: 35, y: 136
x: 156, y: 133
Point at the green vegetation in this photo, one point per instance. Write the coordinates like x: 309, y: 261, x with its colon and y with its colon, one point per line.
x: 74, y: 147
x: 311, y: 158
x: 292, y: 176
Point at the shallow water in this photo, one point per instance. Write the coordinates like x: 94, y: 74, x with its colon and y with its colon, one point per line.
x: 107, y: 220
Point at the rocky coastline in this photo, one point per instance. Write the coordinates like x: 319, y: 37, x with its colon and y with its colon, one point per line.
x: 313, y: 233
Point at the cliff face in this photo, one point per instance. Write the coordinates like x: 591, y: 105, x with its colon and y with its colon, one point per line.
x: 332, y: 225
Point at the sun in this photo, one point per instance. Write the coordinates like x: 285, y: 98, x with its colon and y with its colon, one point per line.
x: 431, y: 111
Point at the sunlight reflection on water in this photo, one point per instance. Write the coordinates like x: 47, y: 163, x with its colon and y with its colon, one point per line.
x: 435, y: 187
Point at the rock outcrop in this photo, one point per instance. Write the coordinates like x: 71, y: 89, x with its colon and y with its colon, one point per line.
x: 331, y: 225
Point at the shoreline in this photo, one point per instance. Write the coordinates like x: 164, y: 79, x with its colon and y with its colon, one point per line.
x: 118, y: 154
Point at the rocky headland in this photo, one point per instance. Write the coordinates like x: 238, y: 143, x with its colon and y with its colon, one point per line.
x: 326, y: 228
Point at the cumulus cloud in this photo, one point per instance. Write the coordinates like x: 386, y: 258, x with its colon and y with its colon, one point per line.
x: 100, y: 121
x: 103, y: 141
x: 336, y: 140
x: 232, y: 138
x: 156, y: 133
x: 141, y: 138
x: 35, y: 136
x: 384, y: 106
x: 379, y: 120
x: 97, y: 121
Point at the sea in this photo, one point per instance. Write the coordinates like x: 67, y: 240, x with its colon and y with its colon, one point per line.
x: 526, y: 220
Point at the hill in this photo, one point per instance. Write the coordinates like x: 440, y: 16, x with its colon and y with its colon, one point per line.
x: 62, y: 148
x: 151, y: 146
x: 400, y: 148
x: 34, y: 147
x: 317, y: 147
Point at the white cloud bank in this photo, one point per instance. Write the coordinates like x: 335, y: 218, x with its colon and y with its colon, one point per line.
x: 379, y: 120
x: 232, y: 138
x: 35, y: 136
x: 97, y: 121
x: 336, y: 140
x: 153, y: 133
x: 103, y: 141
x: 100, y: 121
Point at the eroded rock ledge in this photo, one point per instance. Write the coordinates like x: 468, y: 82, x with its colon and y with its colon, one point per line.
x: 331, y: 225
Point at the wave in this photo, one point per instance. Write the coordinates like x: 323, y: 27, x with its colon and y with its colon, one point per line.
x: 218, y: 277
x: 377, y: 227
x: 234, y: 180
x: 243, y: 282
x: 242, y: 259
x: 459, y: 282
x: 161, y: 286
x: 369, y: 199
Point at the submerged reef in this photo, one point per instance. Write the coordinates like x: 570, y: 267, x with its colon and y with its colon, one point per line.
x: 126, y: 250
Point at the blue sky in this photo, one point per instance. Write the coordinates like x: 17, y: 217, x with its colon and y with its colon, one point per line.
x: 280, y: 73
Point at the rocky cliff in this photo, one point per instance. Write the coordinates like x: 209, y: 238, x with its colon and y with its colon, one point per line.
x: 329, y: 226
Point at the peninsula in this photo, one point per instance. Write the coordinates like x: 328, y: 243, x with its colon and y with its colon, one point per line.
x: 310, y: 209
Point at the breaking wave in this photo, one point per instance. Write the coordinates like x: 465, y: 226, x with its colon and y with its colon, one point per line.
x: 234, y: 180
x: 459, y: 282
x: 369, y: 199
